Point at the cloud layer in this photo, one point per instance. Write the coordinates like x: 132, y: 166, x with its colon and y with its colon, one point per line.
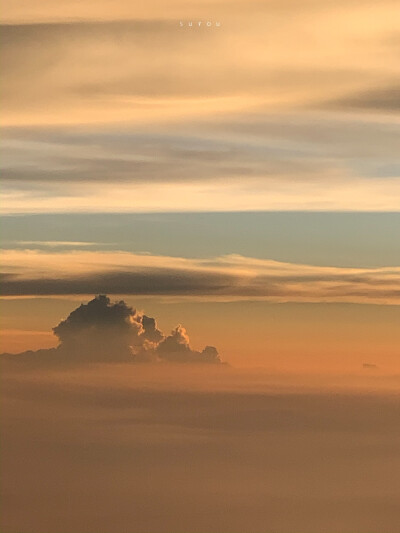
x: 282, y: 107
x: 228, y: 277
x: 133, y: 449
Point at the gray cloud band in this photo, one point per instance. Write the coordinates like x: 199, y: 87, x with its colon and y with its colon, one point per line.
x: 373, y: 287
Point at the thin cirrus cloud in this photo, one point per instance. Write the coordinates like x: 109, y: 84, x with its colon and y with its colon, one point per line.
x: 259, y: 146
x: 147, y: 70
x: 374, y: 194
x: 284, y: 114
x: 227, y: 278
x: 239, y: 163
x: 276, y: 56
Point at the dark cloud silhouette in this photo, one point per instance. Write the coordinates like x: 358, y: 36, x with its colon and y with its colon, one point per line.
x: 176, y: 348
x: 295, y: 284
x: 137, y: 281
x: 102, y: 331
x: 150, y: 331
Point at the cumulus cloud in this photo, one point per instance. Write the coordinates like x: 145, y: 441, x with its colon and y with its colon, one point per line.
x: 101, y: 330
x: 176, y: 348
x: 105, y: 331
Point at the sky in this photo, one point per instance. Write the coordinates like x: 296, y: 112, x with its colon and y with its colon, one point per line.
x: 116, y: 107
x: 200, y: 297
x: 300, y: 292
x: 244, y: 166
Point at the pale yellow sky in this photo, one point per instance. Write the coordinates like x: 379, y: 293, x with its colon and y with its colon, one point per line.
x: 134, y: 62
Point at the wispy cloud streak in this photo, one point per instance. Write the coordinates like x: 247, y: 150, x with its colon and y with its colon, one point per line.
x: 228, y: 277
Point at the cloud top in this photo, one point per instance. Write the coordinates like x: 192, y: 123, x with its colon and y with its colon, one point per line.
x: 100, y: 329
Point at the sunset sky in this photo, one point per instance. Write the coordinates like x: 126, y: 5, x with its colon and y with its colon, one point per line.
x: 243, y: 177
x: 228, y: 174
x: 290, y: 291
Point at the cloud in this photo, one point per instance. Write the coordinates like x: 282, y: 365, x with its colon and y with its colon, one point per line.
x: 137, y: 448
x: 102, y: 331
x: 385, y: 99
x: 294, y: 148
x: 229, y: 277
x: 129, y: 79
x: 174, y: 156
x: 142, y: 281
x: 150, y: 330
x: 87, y: 68
x: 176, y: 348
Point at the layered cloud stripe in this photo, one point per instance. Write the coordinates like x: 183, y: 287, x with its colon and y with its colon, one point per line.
x: 230, y: 277
x: 287, y: 105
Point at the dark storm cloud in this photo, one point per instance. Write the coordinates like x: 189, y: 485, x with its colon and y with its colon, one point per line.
x: 102, y: 331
